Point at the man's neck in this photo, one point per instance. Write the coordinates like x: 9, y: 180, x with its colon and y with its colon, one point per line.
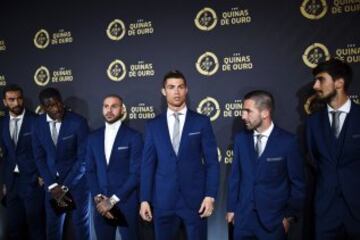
x: 338, y: 100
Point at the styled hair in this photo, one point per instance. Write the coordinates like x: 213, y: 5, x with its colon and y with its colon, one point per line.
x: 114, y: 96
x: 173, y: 74
x: 49, y: 93
x: 336, y: 69
x: 12, y: 88
x: 263, y: 100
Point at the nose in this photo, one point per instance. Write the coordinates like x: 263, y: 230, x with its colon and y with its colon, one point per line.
x: 316, y: 85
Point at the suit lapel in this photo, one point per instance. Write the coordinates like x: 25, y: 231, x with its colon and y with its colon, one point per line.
x: 24, y: 127
x: 8, y: 136
x: 117, y: 141
x: 100, y: 140
x: 252, y: 154
x: 185, y: 131
x: 329, y: 138
x: 164, y: 132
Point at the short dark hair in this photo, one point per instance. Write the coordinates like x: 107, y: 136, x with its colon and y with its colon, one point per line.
x: 49, y: 93
x: 114, y: 96
x: 336, y: 69
x: 263, y: 99
x: 12, y: 88
x: 173, y: 74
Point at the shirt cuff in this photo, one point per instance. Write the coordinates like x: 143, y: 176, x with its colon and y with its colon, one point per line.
x: 52, y: 186
x: 114, y: 199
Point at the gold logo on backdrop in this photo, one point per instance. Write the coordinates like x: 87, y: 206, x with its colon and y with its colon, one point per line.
x: 42, y: 39
x: 313, y: 9
x: 124, y: 112
x: 206, y: 19
x: 2, y: 80
x: 219, y: 154
x: 207, y: 64
x: 314, y: 54
x: 210, y: 107
x: 116, y: 30
x: 116, y: 70
x: 42, y: 76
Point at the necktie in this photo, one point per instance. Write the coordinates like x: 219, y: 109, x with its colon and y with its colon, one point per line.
x: 335, y: 126
x: 15, y: 131
x: 54, y: 133
x: 258, y: 145
x: 176, y: 133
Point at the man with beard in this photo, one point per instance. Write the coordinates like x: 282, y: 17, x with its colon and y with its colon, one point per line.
x: 59, y: 144
x: 333, y: 141
x: 266, y: 184
x: 23, y: 187
x: 180, y: 168
x: 113, y: 161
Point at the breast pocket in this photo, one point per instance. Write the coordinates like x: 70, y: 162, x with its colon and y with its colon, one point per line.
x: 275, y: 166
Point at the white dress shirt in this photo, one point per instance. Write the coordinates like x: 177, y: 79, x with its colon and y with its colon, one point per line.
x: 111, y: 130
x: 265, y: 137
x: 57, y: 125
x: 345, y: 109
x: 171, y: 120
x: 11, y: 129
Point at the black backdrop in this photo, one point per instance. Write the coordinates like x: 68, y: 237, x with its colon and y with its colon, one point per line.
x: 224, y: 48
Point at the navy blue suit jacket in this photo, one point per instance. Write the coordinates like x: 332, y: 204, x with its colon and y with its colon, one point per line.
x: 193, y: 173
x: 337, y: 170
x: 272, y: 184
x: 22, y: 155
x: 68, y: 157
x: 121, y: 175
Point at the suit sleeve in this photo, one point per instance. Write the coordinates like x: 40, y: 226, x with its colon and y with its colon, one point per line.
x: 209, y: 147
x: 78, y: 169
x: 133, y: 180
x: 295, y: 165
x: 234, y: 180
x: 91, y: 173
x: 40, y: 156
x: 148, y: 164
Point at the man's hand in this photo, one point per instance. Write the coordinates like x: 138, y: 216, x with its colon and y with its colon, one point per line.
x: 104, y: 206
x: 286, y: 225
x: 207, y: 207
x: 57, y: 193
x: 145, y: 211
x: 230, y: 217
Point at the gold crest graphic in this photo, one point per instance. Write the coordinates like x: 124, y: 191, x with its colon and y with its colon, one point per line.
x: 210, y: 107
x: 207, y: 64
x: 116, y: 70
x: 314, y: 54
x: 116, y: 30
x: 42, y: 76
x: 206, y: 19
x: 42, y: 39
x: 313, y: 9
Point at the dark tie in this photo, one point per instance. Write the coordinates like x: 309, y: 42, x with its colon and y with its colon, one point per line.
x: 258, y: 145
x: 15, y: 131
x: 176, y: 133
x: 335, y: 126
x: 54, y: 133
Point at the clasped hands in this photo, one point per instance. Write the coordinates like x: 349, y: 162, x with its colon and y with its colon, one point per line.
x: 104, y: 205
x: 59, y: 194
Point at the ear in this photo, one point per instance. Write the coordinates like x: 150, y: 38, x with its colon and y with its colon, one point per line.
x: 339, y: 83
x: 163, y: 92
x: 265, y: 113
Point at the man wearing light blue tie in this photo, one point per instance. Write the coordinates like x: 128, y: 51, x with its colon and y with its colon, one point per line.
x: 180, y: 168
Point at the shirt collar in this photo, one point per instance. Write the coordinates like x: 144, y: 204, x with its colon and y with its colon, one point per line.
x: 21, y: 116
x: 112, y: 126
x: 344, y: 108
x: 267, y: 132
x: 49, y: 119
x: 171, y: 112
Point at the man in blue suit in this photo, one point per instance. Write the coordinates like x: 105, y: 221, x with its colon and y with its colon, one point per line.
x: 23, y: 187
x: 333, y: 140
x: 59, y: 144
x: 113, y: 166
x: 180, y: 169
x: 266, y: 184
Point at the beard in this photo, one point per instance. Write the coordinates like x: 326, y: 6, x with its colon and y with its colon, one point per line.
x: 326, y: 98
x: 112, y: 120
x: 16, y: 110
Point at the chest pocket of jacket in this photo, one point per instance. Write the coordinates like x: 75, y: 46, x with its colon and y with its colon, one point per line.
x: 274, y: 166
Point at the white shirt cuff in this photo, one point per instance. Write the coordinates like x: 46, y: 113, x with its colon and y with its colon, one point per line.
x: 52, y: 186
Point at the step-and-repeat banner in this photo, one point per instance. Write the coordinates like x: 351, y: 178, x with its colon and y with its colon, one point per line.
x: 224, y: 48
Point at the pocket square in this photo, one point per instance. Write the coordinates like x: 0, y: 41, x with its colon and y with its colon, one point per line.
x: 355, y: 136
x: 68, y: 137
x: 194, y: 133
x: 122, y: 148
x: 26, y: 134
x: 274, y: 159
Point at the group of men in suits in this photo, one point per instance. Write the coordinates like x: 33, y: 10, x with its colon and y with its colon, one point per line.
x: 172, y: 177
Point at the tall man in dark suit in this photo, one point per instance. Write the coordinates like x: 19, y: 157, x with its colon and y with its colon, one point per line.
x: 333, y: 140
x: 266, y: 184
x: 23, y: 186
x: 180, y: 169
x: 59, y: 144
x: 113, y: 166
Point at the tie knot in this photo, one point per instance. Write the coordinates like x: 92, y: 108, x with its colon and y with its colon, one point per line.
x: 177, y: 114
x: 336, y: 113
x: 259, y: 136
